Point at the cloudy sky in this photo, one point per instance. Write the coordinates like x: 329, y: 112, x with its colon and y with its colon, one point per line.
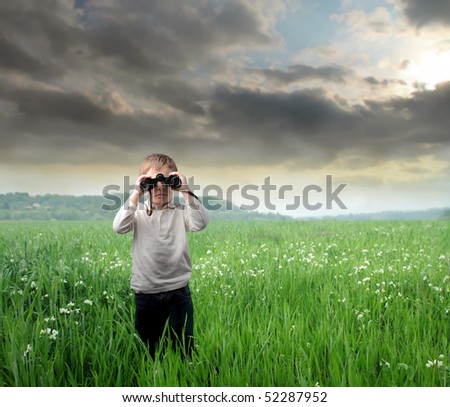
x: 235, y: 91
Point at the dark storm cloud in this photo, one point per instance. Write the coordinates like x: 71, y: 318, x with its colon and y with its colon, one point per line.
x: 307, y: 127
x: 51, y: 105
x: 383, y: 82
x: 106, y: 83
x: 142, y: 37
x: 428, y: 113
x: 304, y: 111
x: 60, y: 61
x: 72, y: 129
x: 296, y: 73
x: 38, y: 39
x: 179, y: 94
x: 168, y: 37
x: 314, y: 128
x: 421, y: 13
x: 16, y: 59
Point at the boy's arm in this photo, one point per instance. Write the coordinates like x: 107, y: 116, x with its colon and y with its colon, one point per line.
x: 196, y: 217
x: 124, y: 219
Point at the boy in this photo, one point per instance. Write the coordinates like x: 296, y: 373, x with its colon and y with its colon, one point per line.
x: 161, y: 264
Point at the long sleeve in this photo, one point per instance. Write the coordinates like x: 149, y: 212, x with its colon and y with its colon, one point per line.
x: 196, y: 217
x: 125, y: 218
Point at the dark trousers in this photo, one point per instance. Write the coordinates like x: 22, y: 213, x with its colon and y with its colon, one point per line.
x: 172, y: 308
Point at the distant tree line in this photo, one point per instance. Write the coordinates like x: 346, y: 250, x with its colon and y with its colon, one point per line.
x: 22, y: 206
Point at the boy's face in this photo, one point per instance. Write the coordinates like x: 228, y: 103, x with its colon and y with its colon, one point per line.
x: 161, y: 194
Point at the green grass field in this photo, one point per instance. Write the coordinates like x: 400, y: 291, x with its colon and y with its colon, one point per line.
x: 276, y: 304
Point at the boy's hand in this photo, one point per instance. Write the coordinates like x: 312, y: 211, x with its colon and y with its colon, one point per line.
x: 137, y: 191
x: 184, y: 187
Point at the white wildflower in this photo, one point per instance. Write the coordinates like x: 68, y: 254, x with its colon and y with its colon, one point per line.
x: 385, y: 363
x: 437, y: 363
x: 52, y: 333
x: 27, y: 350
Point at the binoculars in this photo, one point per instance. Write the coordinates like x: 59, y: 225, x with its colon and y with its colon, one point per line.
x: 172, y: 181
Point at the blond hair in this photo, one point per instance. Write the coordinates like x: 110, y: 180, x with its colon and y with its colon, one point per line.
x: 157, y: 161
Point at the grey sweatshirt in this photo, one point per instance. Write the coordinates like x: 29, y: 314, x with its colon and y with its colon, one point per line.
x: 160, y: 254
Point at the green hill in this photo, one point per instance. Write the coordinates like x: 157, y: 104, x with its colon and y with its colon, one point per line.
x: 22, y: 206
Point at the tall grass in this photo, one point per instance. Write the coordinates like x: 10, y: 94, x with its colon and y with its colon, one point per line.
x: 276, y: 304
